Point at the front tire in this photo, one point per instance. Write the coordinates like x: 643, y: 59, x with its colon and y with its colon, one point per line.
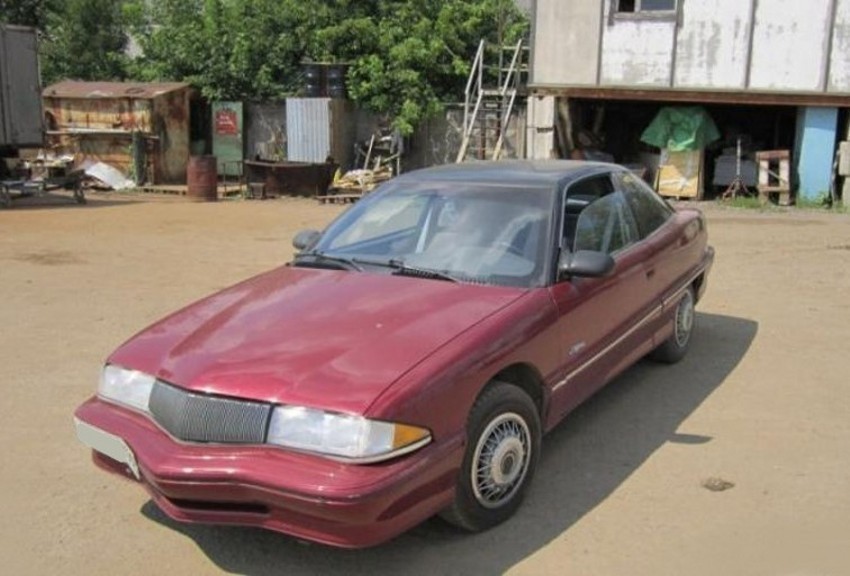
x: 676, y: 346
x: 502, y: 451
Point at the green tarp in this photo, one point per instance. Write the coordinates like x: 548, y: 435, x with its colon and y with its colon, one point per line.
x: 680, y: 129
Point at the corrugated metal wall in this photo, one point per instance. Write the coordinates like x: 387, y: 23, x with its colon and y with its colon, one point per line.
x: 320, y: 127
x: 307, y: 129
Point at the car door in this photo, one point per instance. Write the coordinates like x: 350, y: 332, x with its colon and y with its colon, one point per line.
x: 672, y: 239
x: 600, y: 320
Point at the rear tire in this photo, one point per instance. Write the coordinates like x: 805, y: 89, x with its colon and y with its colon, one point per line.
x: 502, y: 451
x: 676, y: 346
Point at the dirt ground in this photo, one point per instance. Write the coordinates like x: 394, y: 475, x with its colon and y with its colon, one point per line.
x: 735, y: 461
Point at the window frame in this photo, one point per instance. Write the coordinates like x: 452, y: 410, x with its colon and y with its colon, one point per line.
x: 664, y: 15
x: 613, y: 187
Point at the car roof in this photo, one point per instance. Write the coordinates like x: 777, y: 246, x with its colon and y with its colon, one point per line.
x: 509, y: 172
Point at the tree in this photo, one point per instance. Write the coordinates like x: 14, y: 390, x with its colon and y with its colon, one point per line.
x: 406, y: 57
x: 85, y: 40
x: 28, y: 12
x: 229, y: 49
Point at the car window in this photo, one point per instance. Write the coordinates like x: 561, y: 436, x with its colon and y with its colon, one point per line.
x: 605, y: 225
x: 396, y: 214
x: 579, y: 195
x: 649, y: 209
x: 482, y: 233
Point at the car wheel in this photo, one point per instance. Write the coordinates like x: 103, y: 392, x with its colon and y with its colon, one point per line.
x: 676, y: 346
x: 503, y: 447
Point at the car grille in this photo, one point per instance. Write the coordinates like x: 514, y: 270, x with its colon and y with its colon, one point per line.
x: 202, y: 418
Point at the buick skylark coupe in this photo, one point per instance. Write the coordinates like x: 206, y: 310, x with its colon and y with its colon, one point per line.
x: 409, y: 359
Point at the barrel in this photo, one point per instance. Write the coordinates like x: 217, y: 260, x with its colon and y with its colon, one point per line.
x: 336, y: 80
x: 202, y: 178
x: 313, y: 81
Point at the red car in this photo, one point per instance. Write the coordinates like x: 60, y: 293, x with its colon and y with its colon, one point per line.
x: 409, y: 359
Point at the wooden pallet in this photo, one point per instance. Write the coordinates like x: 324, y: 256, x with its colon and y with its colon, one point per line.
x: 339, y: 198
x: 170, y: 190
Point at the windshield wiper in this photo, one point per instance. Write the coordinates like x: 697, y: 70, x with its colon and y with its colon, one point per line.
x: 321, y: 257
x: 402, y: 269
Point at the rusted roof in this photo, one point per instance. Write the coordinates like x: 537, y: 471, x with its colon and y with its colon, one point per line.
x: 137, y: 90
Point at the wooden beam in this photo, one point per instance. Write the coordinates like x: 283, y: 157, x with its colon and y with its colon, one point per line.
x: 697, y: 96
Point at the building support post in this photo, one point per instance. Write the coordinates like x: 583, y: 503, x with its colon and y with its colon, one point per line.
x: 817, y: 129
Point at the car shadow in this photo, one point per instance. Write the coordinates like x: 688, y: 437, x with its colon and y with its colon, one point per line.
x: 585, y: 459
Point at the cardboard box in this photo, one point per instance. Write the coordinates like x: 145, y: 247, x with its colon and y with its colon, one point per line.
x: 680, y: 174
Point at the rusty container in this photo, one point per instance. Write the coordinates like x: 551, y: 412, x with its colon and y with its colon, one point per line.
x: 202, y: 179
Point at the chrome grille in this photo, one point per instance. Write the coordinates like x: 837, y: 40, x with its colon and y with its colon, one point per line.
x: 202, y: 418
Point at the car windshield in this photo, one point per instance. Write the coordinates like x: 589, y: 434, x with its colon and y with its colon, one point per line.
x: 479, y: 233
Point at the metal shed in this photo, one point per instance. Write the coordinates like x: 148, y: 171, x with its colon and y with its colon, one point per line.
x: 143, y: 129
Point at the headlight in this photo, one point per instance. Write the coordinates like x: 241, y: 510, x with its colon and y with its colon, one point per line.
x: 128, y: 387
x: 341, y: 435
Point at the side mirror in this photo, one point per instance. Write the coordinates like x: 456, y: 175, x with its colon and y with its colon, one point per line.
x: 305, y: 239
x: 584, y: 263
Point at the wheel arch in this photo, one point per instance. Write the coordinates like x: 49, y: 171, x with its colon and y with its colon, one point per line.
x: 697, y: 286
x: 526, y: 377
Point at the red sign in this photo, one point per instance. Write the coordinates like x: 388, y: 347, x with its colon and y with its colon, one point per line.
x: 226, y: 123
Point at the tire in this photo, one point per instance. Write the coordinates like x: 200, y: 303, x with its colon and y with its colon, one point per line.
x: 676, y: 346
x: 504, y: 429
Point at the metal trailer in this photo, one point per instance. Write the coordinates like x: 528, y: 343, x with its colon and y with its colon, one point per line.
x: 26, y: 188
x: 21, y: 113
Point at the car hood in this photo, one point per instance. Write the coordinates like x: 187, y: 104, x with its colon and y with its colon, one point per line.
x: 322, y: 338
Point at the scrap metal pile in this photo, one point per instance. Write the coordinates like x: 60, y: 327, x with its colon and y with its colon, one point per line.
x: 381, y: 160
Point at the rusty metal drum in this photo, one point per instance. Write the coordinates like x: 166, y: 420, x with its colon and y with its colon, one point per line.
x: 202, y: 179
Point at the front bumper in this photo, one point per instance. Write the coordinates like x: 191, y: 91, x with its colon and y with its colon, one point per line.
x: 303, y: 495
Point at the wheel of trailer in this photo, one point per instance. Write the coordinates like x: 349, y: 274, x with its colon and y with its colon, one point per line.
x: 79, y: 192
x: 503, y: 447
x: 676, y: 346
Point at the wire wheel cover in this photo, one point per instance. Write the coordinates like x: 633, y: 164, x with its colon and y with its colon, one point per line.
x: 501, y: 460
x: 684, y: 319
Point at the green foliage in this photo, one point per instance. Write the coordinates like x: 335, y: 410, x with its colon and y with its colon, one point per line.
x: 413, y: 56
x: 28, y: 12
x: 230, y: 49
x: 406, y: 57
x: 84, y: 40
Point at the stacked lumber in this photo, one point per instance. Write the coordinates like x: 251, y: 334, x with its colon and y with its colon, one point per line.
x: 354, y: 184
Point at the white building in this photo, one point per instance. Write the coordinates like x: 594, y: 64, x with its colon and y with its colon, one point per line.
x: 776, y: 70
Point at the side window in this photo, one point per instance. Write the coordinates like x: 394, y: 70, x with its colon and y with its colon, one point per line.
x: 650, y: 211
x: 579, y: 195
x: 605, y: 225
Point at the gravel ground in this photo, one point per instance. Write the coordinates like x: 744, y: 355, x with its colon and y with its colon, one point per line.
x: 734, y: 461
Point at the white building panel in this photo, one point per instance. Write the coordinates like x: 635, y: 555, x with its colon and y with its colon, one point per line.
x: 712, y: 44
x: 789, y: 45
x: 839, y: 77
x: 540, y: 130
x: 566, y: 42
x: 637, y: 52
